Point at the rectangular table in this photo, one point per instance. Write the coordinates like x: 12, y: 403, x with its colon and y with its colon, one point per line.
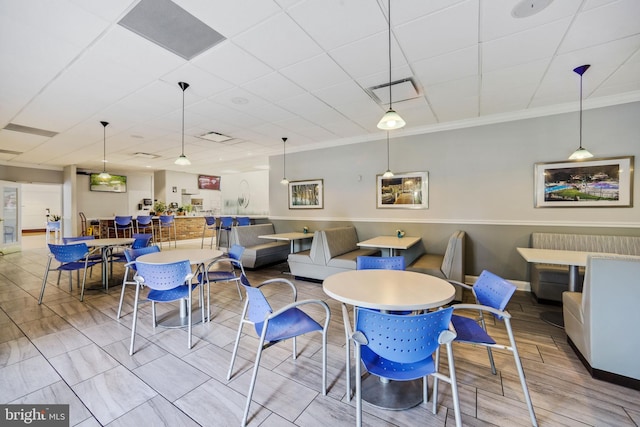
x: 289, y: 237
x: 393, y: 243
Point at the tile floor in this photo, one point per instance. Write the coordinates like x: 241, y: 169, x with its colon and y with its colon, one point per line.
x: 67, y: 351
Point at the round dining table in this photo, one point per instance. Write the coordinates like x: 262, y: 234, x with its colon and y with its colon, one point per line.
x: 387, y: 290
x: 105, y: 246
x: 196, y: 257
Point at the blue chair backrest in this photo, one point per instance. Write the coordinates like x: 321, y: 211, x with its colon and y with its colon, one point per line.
x: 401, y: 338
x: 69, y: 253
x: 123, y: 221
x: 132, y: 254
x: 226, y: 222
x: 163, y: 277
x: 259, y: 307
x: 493, y: 290
x: 67, y: 240
x: 210, y: 220
x: 380, y: 263
x: 166, y: 219
x: 243, y: 220
x: 144, y: 219
x: 236, y: 252
x: 141, y: 240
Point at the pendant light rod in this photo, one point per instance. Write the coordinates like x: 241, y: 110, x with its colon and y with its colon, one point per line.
x: 388, y: 173
x: 389, y: 26
x: 390, y: 120
x: 581, y: 153
x: 182, y: 160
x: 104, y: 175
x: 284, y: 180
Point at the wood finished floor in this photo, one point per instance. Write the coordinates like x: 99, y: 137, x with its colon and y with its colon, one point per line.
x: 67, y: 351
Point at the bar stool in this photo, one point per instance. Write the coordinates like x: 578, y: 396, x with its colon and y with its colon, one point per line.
x: 226, y: 223
x: 243, y: 220
x: 123, y: 223
x: 168, y: 222
x: 83, y: 224
x: 209, y: 224
x: 145, y: 223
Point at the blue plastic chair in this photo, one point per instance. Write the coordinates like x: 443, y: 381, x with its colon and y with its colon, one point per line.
x: 144, y: 223
x: 210, y: 223
x: 71, y: 258
x: 167, y: 222
x: 226, y: 223
x: 381, y: 263
x: 93, y: 256
x: 492, y: 294
x: 273, y: 327
x: 223, y: 270
x: 116, y: 253
x: 242, y: 221
x: 405, y: 354
x: 131, y: 255
x: 167, y: 283
x: 123, y: 223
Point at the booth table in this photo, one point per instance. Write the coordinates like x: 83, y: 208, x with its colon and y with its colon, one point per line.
x: 196, y: 257
x: 289, y: 237
x: 393, y: 243
x: 387, y: 290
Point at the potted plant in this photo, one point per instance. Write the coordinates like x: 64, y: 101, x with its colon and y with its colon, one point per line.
x: 159, y: 207
x: 181, y: 211
x: 188, y: 209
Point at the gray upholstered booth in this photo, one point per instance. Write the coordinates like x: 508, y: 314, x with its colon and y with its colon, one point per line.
x: 601, y: 322
x: 257, y: 251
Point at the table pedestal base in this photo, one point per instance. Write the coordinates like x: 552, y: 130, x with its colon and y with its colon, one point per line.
x: 176, y: 320
x: 391, y: 395
x: 554, y: 318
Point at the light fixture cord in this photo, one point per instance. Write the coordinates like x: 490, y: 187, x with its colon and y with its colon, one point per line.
x: 581, y: 111
x: 284, y: 158
x: 390, y: 101
x: 104, y: 148
x: 388, y: 168
x: 183, y: 89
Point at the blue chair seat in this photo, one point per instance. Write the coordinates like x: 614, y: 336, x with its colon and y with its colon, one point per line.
x: 171, y: 294
x: 291, y: 323
x: 386, y: 368
x: 469, y: 331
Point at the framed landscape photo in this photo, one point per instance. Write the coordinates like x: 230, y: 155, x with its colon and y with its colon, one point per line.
x: 306, y: 194
x: 115, y: 183
x: 408, y: 190
x: 605, y: 182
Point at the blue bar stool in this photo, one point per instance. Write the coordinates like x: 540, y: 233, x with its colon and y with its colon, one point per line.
x: 209, y: 224
x: 226, y: 223
x: 168, y: 222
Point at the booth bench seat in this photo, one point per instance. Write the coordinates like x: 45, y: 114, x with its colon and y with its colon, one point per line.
x: 258, y: 252
x: 333, y: 250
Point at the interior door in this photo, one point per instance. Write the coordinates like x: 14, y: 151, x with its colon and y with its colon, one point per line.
x: 11, y: 227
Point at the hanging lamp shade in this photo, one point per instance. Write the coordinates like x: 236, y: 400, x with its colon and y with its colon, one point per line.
x: 388, y: 173
x: 104, y: 175
x: 391, y: 120
x: 182, y: 159
x: 284, y: 180
x: 581, y: 152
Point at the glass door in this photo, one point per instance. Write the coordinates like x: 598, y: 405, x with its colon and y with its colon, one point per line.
x: 10, y: 218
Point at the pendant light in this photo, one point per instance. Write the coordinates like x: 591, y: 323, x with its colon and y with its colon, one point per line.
x: 581, y: 153
x: 182, y: 160
x: 388, y: 173
x: 391, y: 120
x: 104, y: 175
x: 284, y: 180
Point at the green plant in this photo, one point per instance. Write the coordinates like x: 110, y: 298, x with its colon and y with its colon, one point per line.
x: 54, y: 218
x: 159, y: 207
x: 188, y: 208
x: 181, y: 209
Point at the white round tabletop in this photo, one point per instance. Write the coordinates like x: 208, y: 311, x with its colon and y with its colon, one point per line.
x: 389, y: 289
x: 195, y: 256
x: 92, y: 243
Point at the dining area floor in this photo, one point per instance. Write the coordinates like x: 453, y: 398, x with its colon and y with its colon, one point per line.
x: 77, y: 353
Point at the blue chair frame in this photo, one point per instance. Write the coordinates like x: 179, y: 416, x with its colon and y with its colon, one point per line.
x: 71, y: 258
x: 224, y: 271
x: 407, y: 353
x: 167, y: 283
x: 492, y: 294
x: 273, y: 327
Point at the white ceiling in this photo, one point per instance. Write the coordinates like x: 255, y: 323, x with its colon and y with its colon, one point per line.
x: 294, y: 68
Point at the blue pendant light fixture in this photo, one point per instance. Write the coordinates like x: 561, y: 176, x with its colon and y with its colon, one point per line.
x: 581, y: 153
x: 182, y: 160
x: 104, y: 175
x: 391, y: 120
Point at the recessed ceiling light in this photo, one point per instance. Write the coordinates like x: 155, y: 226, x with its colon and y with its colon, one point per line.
x: 527, y: 8
x: 145, y: 155
x: 215, y: 137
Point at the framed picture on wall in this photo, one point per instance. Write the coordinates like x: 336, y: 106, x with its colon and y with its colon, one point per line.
x: 306, y: 194
x: 606, y: 182
x: 407, y: 190
x: 114, y: 184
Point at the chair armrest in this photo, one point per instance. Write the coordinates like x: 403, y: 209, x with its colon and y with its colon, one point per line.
x: 278, y: 280
x: 301, y: 303
x: 462, y: 285
x: 499, y: 313
x: 447, y: 336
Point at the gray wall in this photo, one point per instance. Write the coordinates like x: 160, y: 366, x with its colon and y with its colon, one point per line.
x: 480, y: 181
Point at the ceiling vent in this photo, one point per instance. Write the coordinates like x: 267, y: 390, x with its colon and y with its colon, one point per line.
x: 33, y: 131
x: 215, y: 137
x: 145, y: 155
x: 166, y: 24
x: 403, y: 90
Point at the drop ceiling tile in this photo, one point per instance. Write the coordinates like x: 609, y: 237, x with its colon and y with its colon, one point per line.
x: 202, y: 83
x: 274, y: 87
x: 442, y: 32
x: 311, y: 108
x: 503, y: 100
x: 344, y: 93
x: 315, y: 73
x: 278, y: 42
x: 369, y: 56
x: 450, y: 66
x: 530, y: 73
x: 246, y: 67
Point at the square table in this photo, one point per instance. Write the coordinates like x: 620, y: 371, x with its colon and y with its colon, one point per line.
x: 393, y: 243
x: 289, y: 237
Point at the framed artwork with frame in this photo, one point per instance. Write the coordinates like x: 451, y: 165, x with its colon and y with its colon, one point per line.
x: 605, y: 182
x: 307, y: 194
x: 407, y: 190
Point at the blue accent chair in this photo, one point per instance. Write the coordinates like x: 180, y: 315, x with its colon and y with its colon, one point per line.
x: 144, y: 224
x: 131, y: 255
x: 242, y: 221
x: 210, y: 223
x: 223, y: 270
x: 123, y: 223
x: 168, y: 222
x: 226, y: 223
x: 273, y: 327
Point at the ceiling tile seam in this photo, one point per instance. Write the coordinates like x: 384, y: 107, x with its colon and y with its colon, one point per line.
x: 480, y: 57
